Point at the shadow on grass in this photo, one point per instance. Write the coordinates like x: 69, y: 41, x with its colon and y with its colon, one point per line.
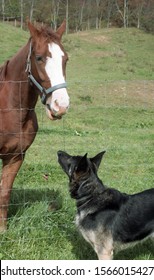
x: 138, y: 251
x: 80, y: 248
x: 24, y: 198
x: 83, y: 251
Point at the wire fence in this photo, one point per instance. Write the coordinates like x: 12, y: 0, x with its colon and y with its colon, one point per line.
x: 117, y: 116
x: 90, y: 99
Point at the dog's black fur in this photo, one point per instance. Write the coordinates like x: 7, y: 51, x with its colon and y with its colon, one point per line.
x: 105, y: 215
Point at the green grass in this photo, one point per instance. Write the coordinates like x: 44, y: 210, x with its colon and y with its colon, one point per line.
x: 110, y: 76
x: 11, y: 40
x: 111, y: 54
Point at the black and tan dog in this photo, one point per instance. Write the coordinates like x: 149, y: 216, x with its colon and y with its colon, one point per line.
x: 105, y: 215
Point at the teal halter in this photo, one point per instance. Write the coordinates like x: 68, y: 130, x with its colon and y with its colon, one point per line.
x: 45, y: 92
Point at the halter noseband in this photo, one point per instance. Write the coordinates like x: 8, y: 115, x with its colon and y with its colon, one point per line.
x: 45, y: 92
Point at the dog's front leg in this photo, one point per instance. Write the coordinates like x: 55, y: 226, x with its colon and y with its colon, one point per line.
x: 105, y: 255
x: 105, y: 251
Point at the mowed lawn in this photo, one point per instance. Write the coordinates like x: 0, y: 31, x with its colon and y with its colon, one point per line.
x: 110, y: 77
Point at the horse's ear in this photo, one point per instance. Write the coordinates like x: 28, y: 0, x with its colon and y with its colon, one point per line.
x: 33, y: 30
x: 62, y: 28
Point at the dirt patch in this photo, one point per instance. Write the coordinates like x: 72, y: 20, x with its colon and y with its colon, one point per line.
x: 100, y: 54
x: 118, y: 53
x: 130, y: 93
x: 93, y: 37
x: 101, y: 39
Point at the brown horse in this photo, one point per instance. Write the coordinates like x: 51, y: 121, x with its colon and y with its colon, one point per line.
x: 37, y: 69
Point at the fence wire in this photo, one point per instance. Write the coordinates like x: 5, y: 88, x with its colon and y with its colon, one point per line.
x: 117, y: 116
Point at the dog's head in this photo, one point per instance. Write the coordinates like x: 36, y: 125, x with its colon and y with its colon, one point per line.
x: 76, y: 166
x: 79, y: 169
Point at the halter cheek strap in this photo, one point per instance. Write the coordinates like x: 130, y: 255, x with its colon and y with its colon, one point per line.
x: 45, y: 92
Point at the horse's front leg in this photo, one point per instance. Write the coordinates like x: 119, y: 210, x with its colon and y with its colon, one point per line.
x: 9, y: 172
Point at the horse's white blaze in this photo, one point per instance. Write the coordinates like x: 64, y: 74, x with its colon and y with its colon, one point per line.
x: 54, y: 71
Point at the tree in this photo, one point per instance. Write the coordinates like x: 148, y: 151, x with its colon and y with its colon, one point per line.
x: 125, y: 17
x: 109, y: 11
x: 3, y: 10
x: 67, y: 23
x: 122, y: 7
x: 31, y: 9
x: 55, y: 4
x: 22, y: 12
x: 81, y: 14
x: 97, y: 13
x: 138, y: 8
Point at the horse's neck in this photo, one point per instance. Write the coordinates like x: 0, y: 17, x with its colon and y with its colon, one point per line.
x: 17, y: 65
x: 16, y: 73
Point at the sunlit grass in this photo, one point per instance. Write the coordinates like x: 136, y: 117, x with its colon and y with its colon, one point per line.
x: 112, y: 97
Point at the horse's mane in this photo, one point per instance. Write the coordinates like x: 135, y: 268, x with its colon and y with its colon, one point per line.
x: 49, y: 33
x: 3, y: 69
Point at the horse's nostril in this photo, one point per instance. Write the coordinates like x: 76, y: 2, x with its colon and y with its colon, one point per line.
x: 56, y: 102
x: 56, y: 105
x: 55, y: 113
x: 56, y: 110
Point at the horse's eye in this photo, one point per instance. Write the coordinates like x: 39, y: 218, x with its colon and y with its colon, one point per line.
x: 39, y: 58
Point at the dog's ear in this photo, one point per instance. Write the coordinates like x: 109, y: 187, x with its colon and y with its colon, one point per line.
x: 64, y: 160
x: 97, y: 159
x: 82, y: 165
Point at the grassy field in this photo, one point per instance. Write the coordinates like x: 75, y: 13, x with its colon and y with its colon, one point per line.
x: 110, y: 76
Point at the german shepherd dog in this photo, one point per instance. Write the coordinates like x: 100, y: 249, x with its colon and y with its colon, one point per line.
x: 106, y: 216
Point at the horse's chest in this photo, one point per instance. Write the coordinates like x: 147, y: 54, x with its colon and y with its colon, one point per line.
x: 17, y: 130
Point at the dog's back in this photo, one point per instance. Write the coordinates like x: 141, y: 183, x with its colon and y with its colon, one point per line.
x: 135, y: 220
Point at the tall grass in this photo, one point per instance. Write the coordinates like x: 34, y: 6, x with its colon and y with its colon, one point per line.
x: 110, y: 75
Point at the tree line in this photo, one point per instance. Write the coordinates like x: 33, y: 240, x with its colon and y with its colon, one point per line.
x: 81, y: 14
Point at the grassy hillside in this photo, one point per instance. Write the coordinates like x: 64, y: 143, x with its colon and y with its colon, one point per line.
x: 11, y: 40
x: 110, y: 83
x: 111, y: 54
x: 107, y: 54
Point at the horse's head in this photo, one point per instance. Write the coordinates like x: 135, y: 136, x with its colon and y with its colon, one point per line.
x: 47, y: 65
